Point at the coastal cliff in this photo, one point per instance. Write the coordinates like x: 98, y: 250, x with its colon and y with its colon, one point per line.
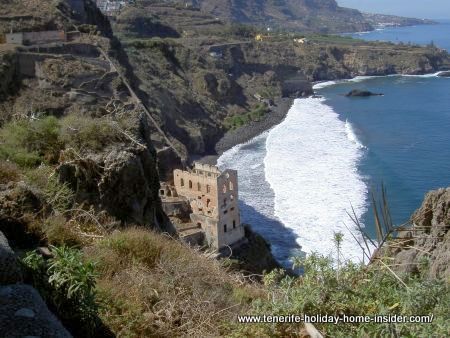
x: 200, y: 83
x: 425, y: 247
x: 95, y: 136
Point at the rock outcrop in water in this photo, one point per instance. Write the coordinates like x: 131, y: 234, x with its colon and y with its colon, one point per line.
x: 361, y: 93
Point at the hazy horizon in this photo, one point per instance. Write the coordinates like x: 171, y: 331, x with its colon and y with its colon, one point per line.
x: 431, y: 9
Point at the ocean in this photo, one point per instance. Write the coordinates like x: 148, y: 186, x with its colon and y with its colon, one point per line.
x: 299, y: 181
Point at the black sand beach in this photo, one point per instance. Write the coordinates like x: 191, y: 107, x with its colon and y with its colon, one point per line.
x: 251, y: 130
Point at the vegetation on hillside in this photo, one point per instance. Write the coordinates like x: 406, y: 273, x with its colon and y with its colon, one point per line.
x: 239, y: 120
x: 32, y: 142
x: 352, y: 290
x: 149, y: 285
x: 101, y: 279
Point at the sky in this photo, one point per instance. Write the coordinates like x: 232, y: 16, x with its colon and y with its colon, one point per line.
x: 430, y: 9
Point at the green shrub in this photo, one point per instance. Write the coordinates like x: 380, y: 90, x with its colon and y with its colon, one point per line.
x: 88, y: 133
x: 59, y: 232
x: 56, y: 194
x: 256, y: 114
x: 352, y: 290
x: 31, y: 142
x: 59, y: 195
x: 38, y: 177
x: 134, y: 246
x: 67, y: 283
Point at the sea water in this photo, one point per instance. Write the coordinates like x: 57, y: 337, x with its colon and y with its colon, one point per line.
x: 300, y: 181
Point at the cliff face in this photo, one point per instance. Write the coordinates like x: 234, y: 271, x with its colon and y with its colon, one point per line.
x: 195, y: 82
x: 426, y: 247
x: 7, y: 74
x: 78, y: 83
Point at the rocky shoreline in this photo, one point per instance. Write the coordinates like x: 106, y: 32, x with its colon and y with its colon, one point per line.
x: 245, y: 133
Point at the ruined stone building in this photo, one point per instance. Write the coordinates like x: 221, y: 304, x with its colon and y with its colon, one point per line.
x: 213, y: 199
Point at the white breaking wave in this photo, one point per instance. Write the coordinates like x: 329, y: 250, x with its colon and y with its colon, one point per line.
x: 325, y: 84
x: 311, y: 165
x: 424, y: 75
x: 357, y: 79
x: 321, y: 85
x: 351, y: 135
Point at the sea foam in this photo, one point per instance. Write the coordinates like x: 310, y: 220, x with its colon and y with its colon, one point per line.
x: 357, y: 79
x: 311, y: 165
x: 256, y: 198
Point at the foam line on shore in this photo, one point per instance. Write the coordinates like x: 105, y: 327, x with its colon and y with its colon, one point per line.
x: 324, y: 84
x: 311, y: 165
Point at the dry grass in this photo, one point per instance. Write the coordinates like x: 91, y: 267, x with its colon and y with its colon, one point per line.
x: 9, y: 172
x: 154, y: 286
x: 59, y: 232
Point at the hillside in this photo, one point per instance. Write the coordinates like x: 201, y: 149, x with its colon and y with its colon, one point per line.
x: 137, y: 283
x: 322, y: 16
x: 201, y: 75
x: 198, y: 76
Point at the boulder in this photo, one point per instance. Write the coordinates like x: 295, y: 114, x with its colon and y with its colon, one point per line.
x: 361, y: 93
x: 10, y: 272
x: 123, y: 181
x: 23, y: 313
x: 18, y: 205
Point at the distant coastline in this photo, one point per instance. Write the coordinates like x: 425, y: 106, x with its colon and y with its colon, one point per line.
x: 277, y: 114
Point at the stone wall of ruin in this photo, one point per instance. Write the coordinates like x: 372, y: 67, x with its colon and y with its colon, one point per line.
x: 230, y: 228
x: 213, y: 198
x: 201, y: 190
